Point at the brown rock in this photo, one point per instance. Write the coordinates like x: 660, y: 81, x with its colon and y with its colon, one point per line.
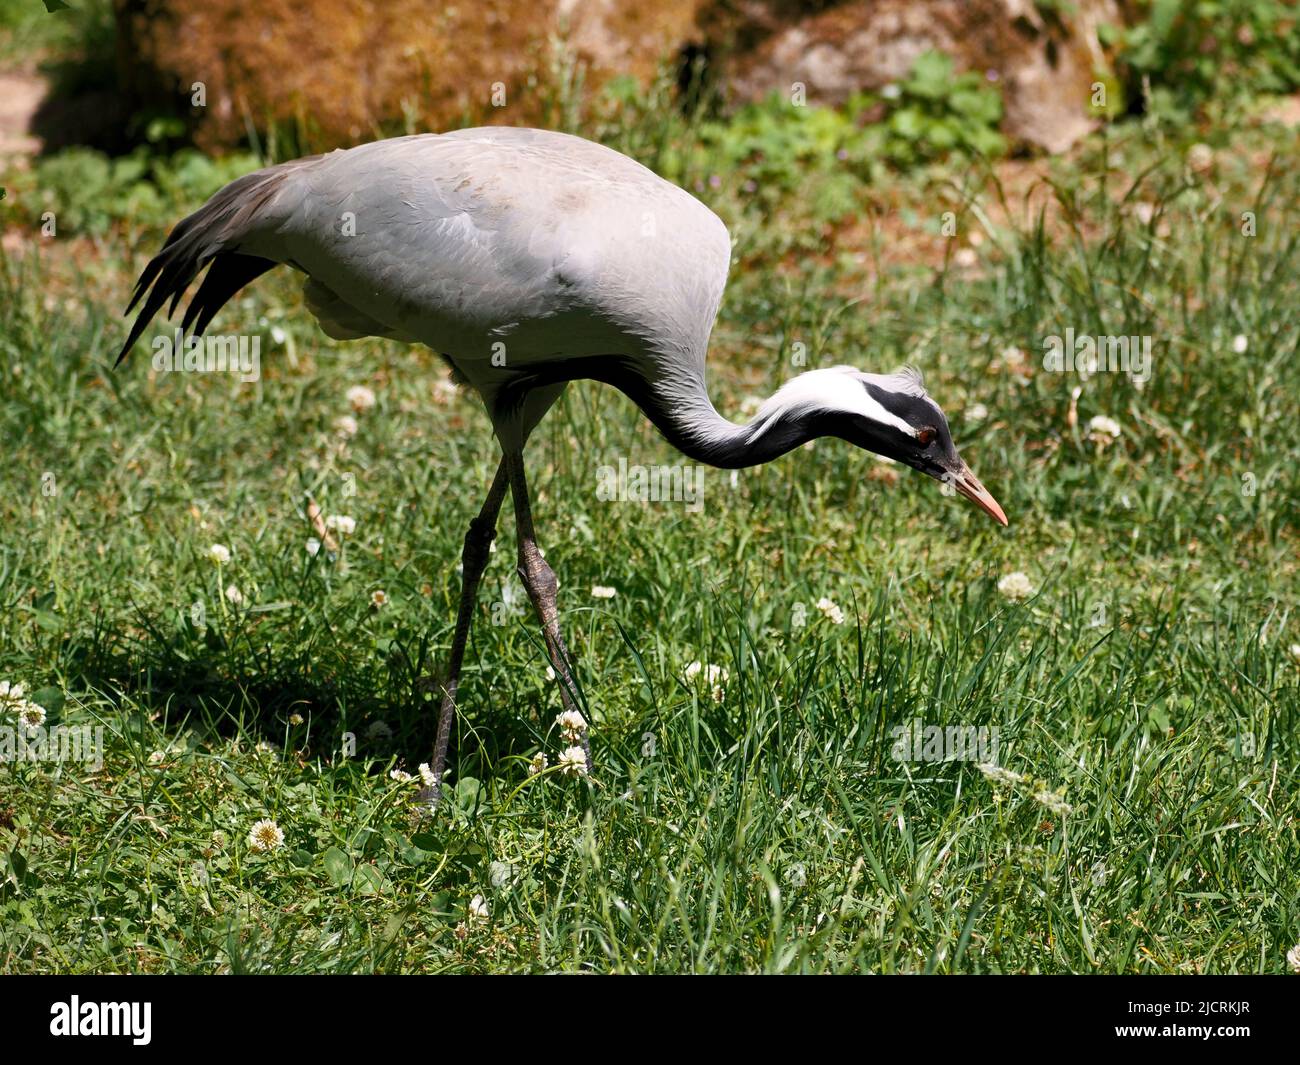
x: 342, y: 71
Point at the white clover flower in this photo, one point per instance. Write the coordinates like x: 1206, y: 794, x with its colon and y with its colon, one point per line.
x: 1200, y: 157
x: 1293, y: 958
x: 538, y: 763
x: 156, y: 757
x: 31, y: 715
x: 1103, y: 430
x: 11, y: 691
x: 234, y: 595
x: 295, y: 718
x: 426, y: 775
x: 965, y: 258
x: 361, y: 398
x: 265, y: 836
x: 341, y: 523
x: 219, y: 553
x: 500, y: 874
x: 977, y: 412
x: 1240, y: 343
x: 601, y: 591
x: 1013, y: 357
x: 1295, y: 651
x: 1053, y: 801
x: 572, y: 724
x: 716, y: 676
x: 478, y: 909
x: 313, y: 546
x: 1016, y: 586
x: 378, y: 598
x: 346, y: 425
x: 400, y: 775
x: 573, y: 761
x: 830, y: 610
x: 997, y: 775
x: 1144, y: 212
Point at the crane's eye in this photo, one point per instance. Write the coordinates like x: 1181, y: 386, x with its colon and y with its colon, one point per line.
x: 926, y: 437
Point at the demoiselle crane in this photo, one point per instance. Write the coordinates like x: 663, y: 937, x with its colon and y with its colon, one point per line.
x: 528, y: 259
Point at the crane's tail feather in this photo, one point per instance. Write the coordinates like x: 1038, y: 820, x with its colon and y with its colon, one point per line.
x: 212, y: 234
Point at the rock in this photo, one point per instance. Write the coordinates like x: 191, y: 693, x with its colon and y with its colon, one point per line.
x: 337, y: 69
x: 618, y: 37
x: 343, y: 70
x: 21, y: 92
x: 1045, y: 65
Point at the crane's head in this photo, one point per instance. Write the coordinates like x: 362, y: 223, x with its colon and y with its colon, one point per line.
x: 892, y: 415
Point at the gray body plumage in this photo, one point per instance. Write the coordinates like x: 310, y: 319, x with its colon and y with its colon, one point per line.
x: 524, y: 257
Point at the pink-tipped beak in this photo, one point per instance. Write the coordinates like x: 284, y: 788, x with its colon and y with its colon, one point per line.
x: 969, y: 485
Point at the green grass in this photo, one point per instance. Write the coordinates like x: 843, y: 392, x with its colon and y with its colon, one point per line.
x: 1148, y: 680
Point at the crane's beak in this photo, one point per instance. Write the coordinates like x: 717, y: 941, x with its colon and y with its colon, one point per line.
x: 969, y: 485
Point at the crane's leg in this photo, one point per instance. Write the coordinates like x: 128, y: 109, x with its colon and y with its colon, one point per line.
x: 474, y: 559
x: 539, y: 582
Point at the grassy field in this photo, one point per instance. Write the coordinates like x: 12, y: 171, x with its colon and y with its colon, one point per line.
x: 1142, y: 813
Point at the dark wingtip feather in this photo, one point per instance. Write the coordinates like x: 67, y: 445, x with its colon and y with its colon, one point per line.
x: 210, y: 234
x: 228, y: 273
x: 141, y: 323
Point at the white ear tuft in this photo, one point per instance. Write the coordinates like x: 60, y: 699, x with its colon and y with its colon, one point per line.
x: 910, y: 381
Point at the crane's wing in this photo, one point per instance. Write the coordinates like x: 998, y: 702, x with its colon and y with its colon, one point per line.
x: 538, y: 241
x: 212, y: 234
